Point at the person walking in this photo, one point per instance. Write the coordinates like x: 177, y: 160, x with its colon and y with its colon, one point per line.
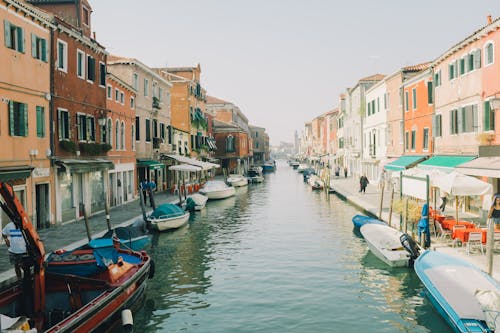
x: 443, y: 196
x: 151, y: 188
x: 16, y: 245
x: 143, y: 186
x: 363, y: 182
x: 494, y: 213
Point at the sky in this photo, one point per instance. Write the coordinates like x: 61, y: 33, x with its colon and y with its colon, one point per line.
x: 284, y: 62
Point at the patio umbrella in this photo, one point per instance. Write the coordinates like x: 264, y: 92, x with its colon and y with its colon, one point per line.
x: 457, y: 184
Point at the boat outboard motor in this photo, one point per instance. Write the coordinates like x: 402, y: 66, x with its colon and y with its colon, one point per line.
x: 411, y: 246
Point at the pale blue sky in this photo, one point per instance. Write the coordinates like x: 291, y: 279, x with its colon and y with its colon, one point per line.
x: 285, y: 62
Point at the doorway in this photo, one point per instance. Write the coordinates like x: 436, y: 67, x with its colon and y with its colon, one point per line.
x: 42, y: 206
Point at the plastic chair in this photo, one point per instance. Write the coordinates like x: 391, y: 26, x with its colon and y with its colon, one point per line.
x: 440, y: 232
x: 475, y: 238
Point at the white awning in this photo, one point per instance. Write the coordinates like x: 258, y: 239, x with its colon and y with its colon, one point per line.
x: 481, y: 166
x: 192, y: 161
x: 185, y: 167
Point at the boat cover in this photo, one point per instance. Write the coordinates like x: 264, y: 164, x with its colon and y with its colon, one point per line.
x: 167, y: 210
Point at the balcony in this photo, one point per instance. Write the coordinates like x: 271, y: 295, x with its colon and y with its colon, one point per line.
x: 156, y: 103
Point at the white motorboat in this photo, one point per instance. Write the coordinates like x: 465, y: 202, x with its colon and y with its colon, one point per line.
x: 167, y: 216
x: 217, y: 189
x: 385, y: 243
x: 255, y: 174
x: 237, y: 180
x: 196, y: 201
x: 302, y: 167
x: 316, y: 182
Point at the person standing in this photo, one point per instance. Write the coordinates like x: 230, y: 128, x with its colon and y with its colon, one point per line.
x: 443, y: 196
x: 151, y: 188
x: 16, y: 245
x: 423, y: 227
x: 363, y: 182
x: 494, y: 213
x: 144, y: 188
x: 345, y: 172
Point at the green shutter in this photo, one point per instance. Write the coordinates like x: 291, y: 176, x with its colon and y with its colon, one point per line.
x: 20, y: 39
x: 33, y: 45
x: 11, y: 118
x: 487, y: 116
x: 6, y: 33
x: 24, y: 117
x: 429, y: 92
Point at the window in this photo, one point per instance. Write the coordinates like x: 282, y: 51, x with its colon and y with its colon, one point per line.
x: 413, y: 139
x: 406, y: 100
x: 90, y: 68
x: 368, y: 109
x: 386, y: 100
x: 90, y: 128
x: 169, y: 130
x: 117, y: 135
x: 437, y: 78
x: 430, y: 93
x: 62, y: 55
x: 477, y: 58
x: 110, y: 92
x: 109, y: 132
x: 230, y: 144
x: 133, y: 137
x: 137, y: 127
x: 148, y: 130
x: 14, y: 36
x: 122, y: 97
x: 378, y: 104
x: 64, y: 124
x: 437, y: 126
x: 454, y: 121
x: 38, y: 48
x: 162, y: 131
x: 452, y: 68
x: 122, y: 134
x: 467, y: 119
x: 425, y: 142
x: 407, y: 140
x: 40, y: 121
x: 80, y: 64
x: 488, y: 53
x: 117, y: 95
x: 160, y: 94
x: 86, y: 16
x: 18, y: 119
x: 102, y: 74
x: 414, y: 95
x: 82, y: 126
x: 132, y: 102
x: 462, y: 66
x: 401, y: 130
x: 146, y: 87
x: 155, y: 128
x: 135, y: 81
x: 489, y: 117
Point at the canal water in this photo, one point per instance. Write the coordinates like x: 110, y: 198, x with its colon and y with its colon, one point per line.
x: 278, y: 257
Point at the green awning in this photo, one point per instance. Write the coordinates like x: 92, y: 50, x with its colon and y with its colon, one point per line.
x: 11, y: 173
x: 151, y: 164
x: 445, y: 161
x: 404, y: 162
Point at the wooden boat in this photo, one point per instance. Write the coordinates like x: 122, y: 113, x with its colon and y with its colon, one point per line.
x: 385, y: 243
x: 132, y: 237
x: 316, y: 182
x: 454, y: 287
x: 196, y: 201
x: 360, y: 220
x: 302, y: 167
x: 167, y: 216
x: 237, y: 180
x: 64, y: 301
x: 216, y: 189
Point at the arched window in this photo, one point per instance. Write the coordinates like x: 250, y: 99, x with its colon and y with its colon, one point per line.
x: 122, y: 140
x: 133, y: 137
x: 117, y: 135
x: 230, y: 144
x: 109, y: 132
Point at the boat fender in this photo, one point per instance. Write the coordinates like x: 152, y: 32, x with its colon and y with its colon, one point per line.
x: 410, y: 245
x: 151, y: 269
x: 127, y: 319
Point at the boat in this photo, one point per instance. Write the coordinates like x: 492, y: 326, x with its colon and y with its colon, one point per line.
x: 70, y: 300
x: 387, y: 244
x: 457, y: 288
x: 302, y: 167
x: 133, y: 236
x: 237, y: 180
x: 217, y: 189
x: 269, y: 166
x: 294, y: 164
x: 316, y: 182
x: 360, y: 220
x: 167, y: 216
x: 196, y: 201
x: 255, y: 174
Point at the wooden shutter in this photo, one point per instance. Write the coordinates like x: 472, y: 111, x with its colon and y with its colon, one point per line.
x: 6, y: 33
x: 486, y: 116
x: 44, y: 50
x: 33, y: 45
x: 38, y: 122
x: 20, y: 39
x: 429, y: 92
x: 23, y: 127
x: 11, y: 118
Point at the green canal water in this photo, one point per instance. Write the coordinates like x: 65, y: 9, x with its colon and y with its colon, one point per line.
x: 278, y: 257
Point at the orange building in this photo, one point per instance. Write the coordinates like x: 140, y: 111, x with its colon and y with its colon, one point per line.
x: 119, y: 129
x: 418, y: 112
x: 24, y: 109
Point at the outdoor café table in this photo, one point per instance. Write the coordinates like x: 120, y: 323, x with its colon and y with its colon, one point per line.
x: 449, y: 223
x: 463, y: 234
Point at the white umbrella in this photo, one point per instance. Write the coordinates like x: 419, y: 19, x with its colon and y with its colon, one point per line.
x: 185, y: 167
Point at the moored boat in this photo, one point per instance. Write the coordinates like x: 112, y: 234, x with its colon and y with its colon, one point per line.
x: 457, y: 288
x: 360, y: 220
x: 316, y: 182
x: 386, y: 243
x: 167, y: 216
x: 64, y: 301
x: 196, y: 201
x: 237, y: 180
x: 255, y: 174
x: 269, y: 166
x: 216, y: 189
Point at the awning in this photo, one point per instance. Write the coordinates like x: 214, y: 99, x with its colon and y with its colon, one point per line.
x: 18, y: 172
x: 211, y: 144
x: 151, y: 164
x: 481, y: 166
x: 87, y: 165
x: 192, y: 161
x: 404, y: 162
x: 185, y: 167
x: 445, y: 163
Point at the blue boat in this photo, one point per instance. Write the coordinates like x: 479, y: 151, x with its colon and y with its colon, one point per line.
x: 269, y: 166
x: 456, y: 288
x: 361, y: 220
x: 132, y: 237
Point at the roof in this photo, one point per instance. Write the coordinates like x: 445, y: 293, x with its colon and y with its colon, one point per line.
x: 418, y: 67
x: 215, y: 100
x: 114, y: 59
x: 50, y: 1
x: 374, y: 77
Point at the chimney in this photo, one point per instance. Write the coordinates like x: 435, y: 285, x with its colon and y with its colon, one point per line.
x: 488, y: 18
x: 96, y: 39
